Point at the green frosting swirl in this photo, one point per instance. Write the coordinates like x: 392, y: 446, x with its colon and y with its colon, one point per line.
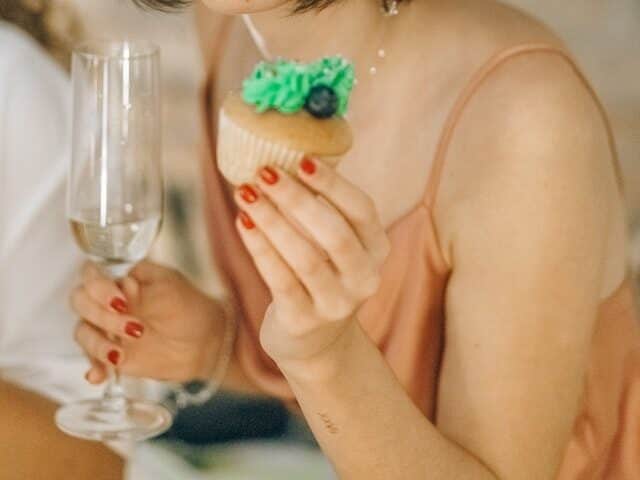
x: 284, y: 86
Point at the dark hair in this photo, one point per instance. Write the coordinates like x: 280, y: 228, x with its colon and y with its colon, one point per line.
x: 163, y: 5
x: 52, y: 25
x: 169, y: 5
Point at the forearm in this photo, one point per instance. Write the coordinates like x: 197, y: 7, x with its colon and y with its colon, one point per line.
x: 366, y: 423
x: 32, y: 447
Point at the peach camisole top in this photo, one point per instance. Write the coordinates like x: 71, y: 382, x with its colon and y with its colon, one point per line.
x: 406, y: 318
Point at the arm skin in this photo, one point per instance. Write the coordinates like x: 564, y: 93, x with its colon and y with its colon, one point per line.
x: 526, y: 241
x: 31, y: 447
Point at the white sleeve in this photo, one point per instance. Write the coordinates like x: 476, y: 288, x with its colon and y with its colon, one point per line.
x: 38, y: 259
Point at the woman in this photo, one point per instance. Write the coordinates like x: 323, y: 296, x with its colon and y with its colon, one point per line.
x: 474, y: 318
x: 39, y: 363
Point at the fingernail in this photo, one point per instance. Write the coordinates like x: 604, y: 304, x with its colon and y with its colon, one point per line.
x: 87, y: 377
x: 248, y: 194
x: 134, y: 329
x: 114, y: 356
x: 246, y: 220
x: 119, y: 305
x: 269, y: 175
x: 308, y: 166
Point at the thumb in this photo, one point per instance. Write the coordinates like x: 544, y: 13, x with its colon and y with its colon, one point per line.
x: 131, y: 288
x: 147, y: 272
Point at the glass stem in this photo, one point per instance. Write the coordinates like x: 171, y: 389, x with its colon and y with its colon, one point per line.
x: 114, y: 397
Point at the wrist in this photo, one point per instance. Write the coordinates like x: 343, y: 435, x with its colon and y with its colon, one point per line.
x: 211, y: 347
x: 327, y: 364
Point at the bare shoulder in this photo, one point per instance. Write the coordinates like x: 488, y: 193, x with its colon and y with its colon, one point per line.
x: 533, y: 99
x: 490, y: 26
x: 531, y: 142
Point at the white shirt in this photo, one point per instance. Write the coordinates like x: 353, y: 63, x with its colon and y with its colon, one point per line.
x: 38, y: 259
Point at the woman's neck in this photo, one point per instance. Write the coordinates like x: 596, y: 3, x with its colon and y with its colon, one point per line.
x: 353, y: 28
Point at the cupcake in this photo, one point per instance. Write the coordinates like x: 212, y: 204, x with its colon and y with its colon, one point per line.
x: 286, y: 110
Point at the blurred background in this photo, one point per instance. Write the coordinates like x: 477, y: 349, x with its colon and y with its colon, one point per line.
x: 603, y: 35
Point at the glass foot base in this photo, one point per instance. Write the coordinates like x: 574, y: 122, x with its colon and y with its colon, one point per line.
x: 97, y: 420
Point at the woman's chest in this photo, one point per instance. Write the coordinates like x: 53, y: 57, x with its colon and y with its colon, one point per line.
x: 396, y: 129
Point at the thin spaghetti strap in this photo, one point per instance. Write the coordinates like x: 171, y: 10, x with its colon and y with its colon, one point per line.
x: 467, y: 93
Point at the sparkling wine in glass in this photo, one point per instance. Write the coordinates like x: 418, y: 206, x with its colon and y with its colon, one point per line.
x: 115, y: 202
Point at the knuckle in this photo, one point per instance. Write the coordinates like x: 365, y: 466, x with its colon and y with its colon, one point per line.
x: 87, y: 339
x: 370, y: 285
x: 78, y: 333
x: 311, y: 266
x: 102, y: 350
x: 92, y: 286
x: 261, y: 251
x: 286, y: 287
x: 303, y: 203
x: 107, y: 320
x: 327, y: 180
x: 294, y: 327
x: 363, y: 286
x: 340, y: 243
x: 337, y: 309
x: 269, y: 218
x: 367, y: 212
x: 289, y: 192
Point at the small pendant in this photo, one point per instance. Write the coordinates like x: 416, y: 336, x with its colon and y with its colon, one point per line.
x: 390, y: 8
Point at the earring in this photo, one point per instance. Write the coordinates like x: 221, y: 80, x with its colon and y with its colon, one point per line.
x: 390, y: 8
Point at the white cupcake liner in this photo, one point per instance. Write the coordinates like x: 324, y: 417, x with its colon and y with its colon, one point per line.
x: 240, y: 153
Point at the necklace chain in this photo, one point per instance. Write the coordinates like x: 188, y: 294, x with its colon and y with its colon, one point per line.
x: 389, y: 9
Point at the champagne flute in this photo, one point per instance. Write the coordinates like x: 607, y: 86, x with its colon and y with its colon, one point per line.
x: 115, y: 202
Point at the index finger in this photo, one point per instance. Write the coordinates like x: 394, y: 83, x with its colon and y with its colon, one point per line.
x: 102, y: 289
x: 356, y: 206
x: 90, y: 271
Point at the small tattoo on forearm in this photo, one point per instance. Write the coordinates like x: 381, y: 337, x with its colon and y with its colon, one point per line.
x: 329, y: 425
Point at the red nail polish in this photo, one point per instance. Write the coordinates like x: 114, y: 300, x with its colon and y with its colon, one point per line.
x: 134, y: 329
x: 119, y: 305
x: 114, y: 356
x: 248, y: 194
x: 246, y: 220
x: 269, y: 175
x: 308, y: 166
